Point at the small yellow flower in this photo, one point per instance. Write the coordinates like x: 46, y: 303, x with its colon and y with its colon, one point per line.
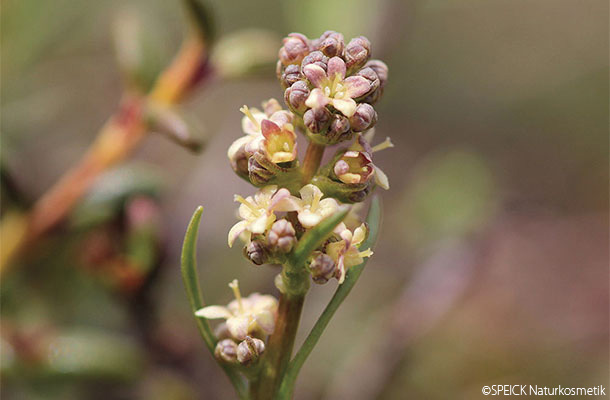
x: 252, y: 125
x: 312, y: 208
x: 280, y: 142
x: 345, y: 252
x: 251, y: 315
x: 258, y: 212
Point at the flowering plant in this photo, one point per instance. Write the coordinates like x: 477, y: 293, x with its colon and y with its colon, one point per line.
x: 300, y: 217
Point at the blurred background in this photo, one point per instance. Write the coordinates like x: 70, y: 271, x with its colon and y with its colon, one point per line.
x: 492, y: 264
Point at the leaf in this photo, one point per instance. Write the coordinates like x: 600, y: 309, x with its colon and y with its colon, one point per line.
x: 188, y: 268
x: 290, y: 376
x: 315, y: 237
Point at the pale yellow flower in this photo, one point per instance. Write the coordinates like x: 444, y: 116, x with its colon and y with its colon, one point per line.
x: 245, y: 316
x: 252, y: 125
x: 345, y: 252
x: 258, y: 212
x: 312, y: 208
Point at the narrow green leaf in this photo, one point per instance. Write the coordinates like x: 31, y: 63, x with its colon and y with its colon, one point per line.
x: 287, y: 386
x: 315, y: 237
x: 193, y: 291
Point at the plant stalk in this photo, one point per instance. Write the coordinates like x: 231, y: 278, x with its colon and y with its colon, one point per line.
x: 312, y: 160
x: 281, y: 344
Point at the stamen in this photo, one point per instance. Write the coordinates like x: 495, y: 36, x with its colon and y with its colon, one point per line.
x: 248, y: 204
x: 248, y: 113
x: 234, y: 285
x: 386, y: 144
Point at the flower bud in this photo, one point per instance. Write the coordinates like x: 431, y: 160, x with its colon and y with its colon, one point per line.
x: 290, y: 75
x: 271, y: 106
x: 339, y: 129
x: 315, y: 57
x: 282, y: 236
x: 317, y: 120
x: 380, y: 68
x: 256, y: 252
x: 357, y: 52
x: 371, y: 76
x: 239, y: 161
x: 322, y: 267
x: 249, y: 350
x: 331, y: 44
x: 296, y: 46
x: 364, y: 118
x: 296, y: 96
x: 226, y: 350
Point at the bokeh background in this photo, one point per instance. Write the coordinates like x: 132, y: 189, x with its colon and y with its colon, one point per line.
x: 492, y: 264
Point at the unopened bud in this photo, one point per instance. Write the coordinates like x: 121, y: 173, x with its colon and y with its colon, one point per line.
x: 255, y: 251
x: 315, y: 57
x: 282, y: 236
x: 290, y: 75
x: 226, y: 350
x: 271, y: 106
x: 257, y: 172
x: 317, y: 120
x: 249, y: 350
x: 364, y: 118
x: 295, y: 97
x: 322, y: 267
x: 339, y: 129
x: 331, y: 44
x: 239, y: 161
x: 380, y: 68
x: 357, y: 52
x: 296, y: 46
x: 371, y: 76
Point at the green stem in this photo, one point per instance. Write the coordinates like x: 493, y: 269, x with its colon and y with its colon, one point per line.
x: 287, y: 385
x: 281, y: 344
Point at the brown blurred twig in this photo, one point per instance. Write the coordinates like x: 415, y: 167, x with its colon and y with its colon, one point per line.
x: 116, y: 141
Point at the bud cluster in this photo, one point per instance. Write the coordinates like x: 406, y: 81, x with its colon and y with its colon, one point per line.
x: 330, y: 84
x: 330, y: 89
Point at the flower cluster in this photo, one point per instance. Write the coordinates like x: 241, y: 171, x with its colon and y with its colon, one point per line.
x: 330, y: 84
x: 247, y: 322
x: 330, y: 88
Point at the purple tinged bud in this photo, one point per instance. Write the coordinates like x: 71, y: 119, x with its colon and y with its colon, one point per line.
x: 339, y: 129
x: 290, y: 75
x: 331, y: 44
x: 371, y: 76
x: 282, y: 236
x: 296, y: 96
x: 271, y: 106
x: 249, y: 350
x: 226, y: 350
x: 364, y: 118
x: 255, y: 251
x: 239, y: 162
x: 315, y: 57
x: 295, y: 48
x: 357, y: 52
x: 317, y: 120
x: 381, y: 69
x: 322, y: 267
